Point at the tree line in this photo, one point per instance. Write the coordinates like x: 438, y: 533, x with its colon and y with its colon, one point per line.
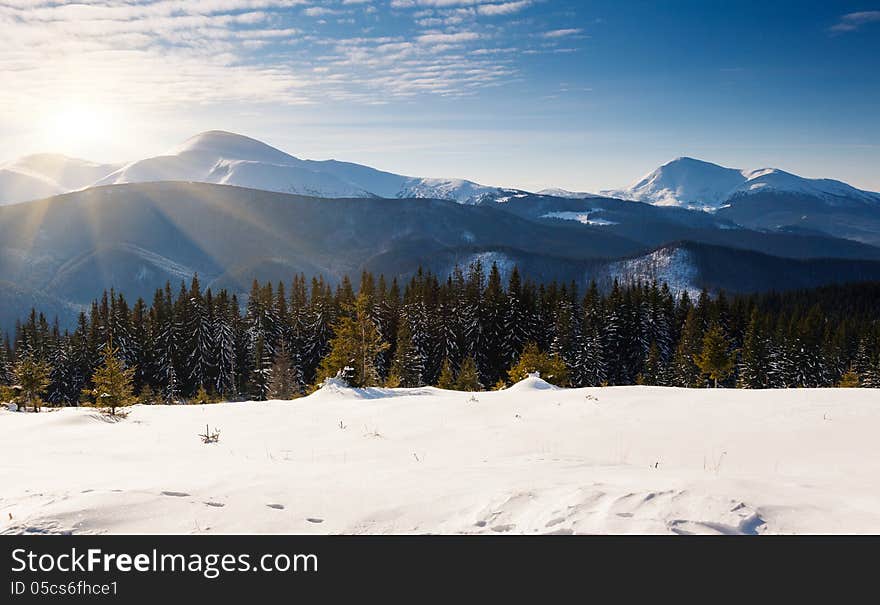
x: 471, y: 330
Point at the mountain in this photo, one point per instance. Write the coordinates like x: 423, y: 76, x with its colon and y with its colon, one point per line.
x: 654, y: 226
x: 766, y: 199
x: 135, y: 237
x: 564, y: 193
x: 690, y: 183
x: 224, y: 158
x: 61, y: 252
x: 42, y: 175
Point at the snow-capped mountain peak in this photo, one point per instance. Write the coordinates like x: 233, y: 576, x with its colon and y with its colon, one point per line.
x: 692, y: 183
x: 230, y: 159
x: 684, y: 182
x: 232, y: 146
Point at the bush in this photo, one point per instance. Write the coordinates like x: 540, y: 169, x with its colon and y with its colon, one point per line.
x: 550, y: 367
x: 850, y: 380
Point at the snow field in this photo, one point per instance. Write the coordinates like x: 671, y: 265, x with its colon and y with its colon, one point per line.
x: 531, y: 459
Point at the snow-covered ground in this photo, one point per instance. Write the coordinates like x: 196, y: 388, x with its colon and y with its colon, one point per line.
x: 531, y: 459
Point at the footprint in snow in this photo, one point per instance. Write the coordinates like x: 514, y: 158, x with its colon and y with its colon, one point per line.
x: 215, y: 504
x: 175, y: 494
x: 503, y: 528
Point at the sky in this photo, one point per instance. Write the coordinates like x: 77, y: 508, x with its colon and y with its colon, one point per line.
x: 584, y: 95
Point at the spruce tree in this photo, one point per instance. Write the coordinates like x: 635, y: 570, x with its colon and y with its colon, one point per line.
x: 652, y: 372
x: 262, y: 373
x: 355, y: 347
x: 410, y: 362
x: 5, y: 364
x: 286, y: 382
x: 114, y: 383
x: 685, y: 370
x: 715, y: 359
x: 172, y: 387
x: 447, y: 378
x: 32, y: 375
x: 755, y: 356
x: 468, y: 378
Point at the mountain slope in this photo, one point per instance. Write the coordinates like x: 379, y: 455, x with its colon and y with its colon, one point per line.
x: 689, y: 266
x: 134, y: 237
x: 37, y: 176
x: 229, y: 159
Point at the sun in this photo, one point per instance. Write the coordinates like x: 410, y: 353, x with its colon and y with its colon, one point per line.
x: 81, y: 129
x: 76, y: 121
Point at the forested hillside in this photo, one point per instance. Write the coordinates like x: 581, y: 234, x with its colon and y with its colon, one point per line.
x: 466, y: 331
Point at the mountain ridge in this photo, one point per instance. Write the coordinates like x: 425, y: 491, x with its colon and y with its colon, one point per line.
x: 697, y: 184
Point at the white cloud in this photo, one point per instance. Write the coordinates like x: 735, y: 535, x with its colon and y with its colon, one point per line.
x: 503, y: 8
x: 853, y: 21
x: 561, y: 33
x: 185, y: 53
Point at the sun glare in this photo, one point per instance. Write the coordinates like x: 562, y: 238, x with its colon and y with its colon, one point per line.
x: 79, y: 129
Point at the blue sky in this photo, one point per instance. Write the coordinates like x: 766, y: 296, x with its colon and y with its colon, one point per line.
x: 529, y: 93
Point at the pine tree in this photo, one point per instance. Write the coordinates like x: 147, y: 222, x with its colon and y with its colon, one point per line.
x: 715, y: 359
x: 755, y: 357
x: 410, y: 362
x: 652, y: 372
x: 147, y: 396
x: 262, y: 373
x: 172, y: 387
x: 225, y: 347
x: 447, y: 378
x: 685, y: 370
x: 468, y: 378
x: 286, y: 382
x: 5, y: 363
x: 516, y: 325
x: 201, y: 397
x: 114, y: 383
x: 317, y: 328
x: 356, y: 344
x: 589, y: 367
x: 32, y: 375
x: 495, y: 345
x: 201, y: 333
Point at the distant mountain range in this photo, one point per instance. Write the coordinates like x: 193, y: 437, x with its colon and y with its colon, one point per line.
x: 224, y: 158
x: 232, y: 209
x: 42, y: 175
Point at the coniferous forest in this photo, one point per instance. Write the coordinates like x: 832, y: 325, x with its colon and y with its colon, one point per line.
x: 466, y: 331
